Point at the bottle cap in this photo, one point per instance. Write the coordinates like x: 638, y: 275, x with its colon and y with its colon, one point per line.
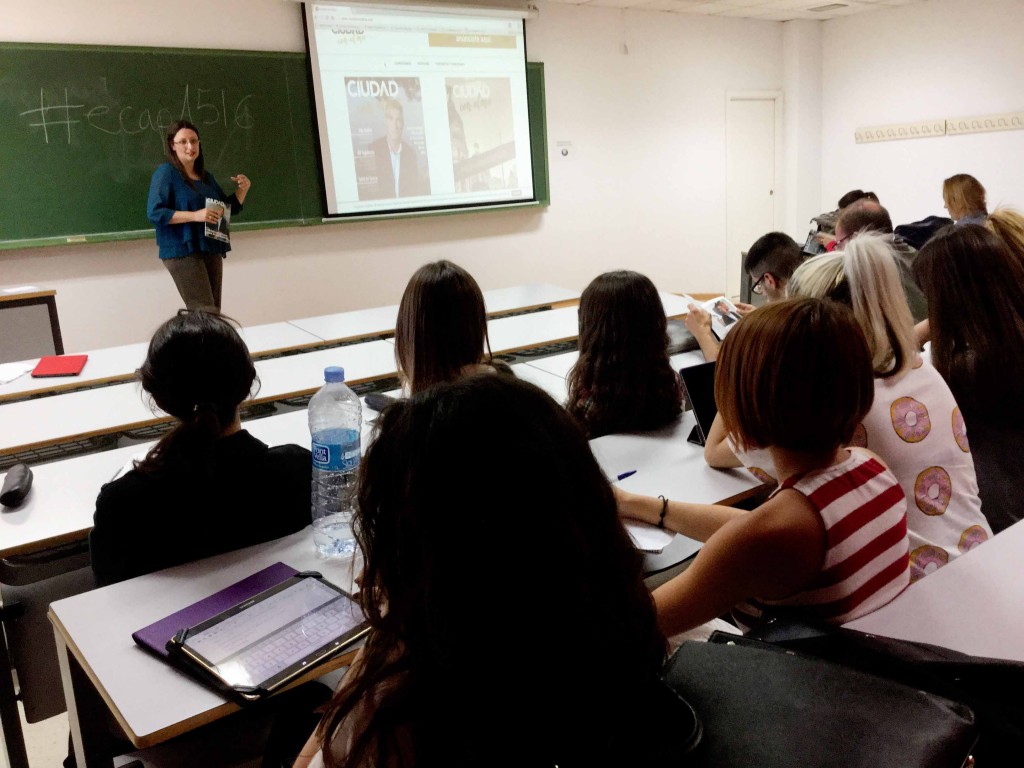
x: 334, y: 374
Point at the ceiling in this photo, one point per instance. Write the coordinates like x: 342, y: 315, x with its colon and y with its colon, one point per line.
x: 769, y: 10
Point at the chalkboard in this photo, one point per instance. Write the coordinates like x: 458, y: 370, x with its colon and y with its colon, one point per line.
x: 83, y: 127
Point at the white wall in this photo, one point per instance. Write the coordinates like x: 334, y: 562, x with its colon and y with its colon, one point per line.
x: 942, y: 58
x: 643, y: 185
x: 802, y: 52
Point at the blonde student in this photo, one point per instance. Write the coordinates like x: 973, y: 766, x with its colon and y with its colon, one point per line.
x: 794, y: 378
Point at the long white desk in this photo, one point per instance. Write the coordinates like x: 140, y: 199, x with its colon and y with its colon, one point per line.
x: 973, y: 605
x: 665, y: 464
x: 511, y: 334
x: 550, y: 373
x: 92, y: 412
x: 560, y: 365
x: 381, y: 320
x: 60, y: 506
x: 120, y: 363
x: 47, y: 421
x: 151, y: 700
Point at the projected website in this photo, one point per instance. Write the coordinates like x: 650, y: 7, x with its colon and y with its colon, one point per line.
x: 419, y: 110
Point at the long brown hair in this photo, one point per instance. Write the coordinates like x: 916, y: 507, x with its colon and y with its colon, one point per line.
x: 442, y: 326
x: 492, y: 628
x: 200, y: 164
x: 975, y: 291
x: 198, y: 370
x: 623, y: 380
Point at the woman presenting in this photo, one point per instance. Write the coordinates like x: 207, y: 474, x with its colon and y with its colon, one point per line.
x: 177, y: 206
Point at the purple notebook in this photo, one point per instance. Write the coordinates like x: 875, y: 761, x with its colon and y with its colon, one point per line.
x: 155, y: 636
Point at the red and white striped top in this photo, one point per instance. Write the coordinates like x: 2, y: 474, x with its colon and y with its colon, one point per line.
x: 866, y: 560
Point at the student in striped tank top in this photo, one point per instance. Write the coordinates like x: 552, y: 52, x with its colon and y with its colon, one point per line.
x: 794, y: 378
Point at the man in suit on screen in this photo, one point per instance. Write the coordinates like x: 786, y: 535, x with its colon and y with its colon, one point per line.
x: 396, y: 161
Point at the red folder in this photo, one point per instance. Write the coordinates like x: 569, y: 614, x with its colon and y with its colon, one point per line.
x: 60, y: 365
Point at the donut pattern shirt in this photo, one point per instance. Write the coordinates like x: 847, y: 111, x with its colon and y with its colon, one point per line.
x: 916, y: 428
x: 866, y: 560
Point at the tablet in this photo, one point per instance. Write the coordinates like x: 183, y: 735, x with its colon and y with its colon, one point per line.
x: 699, y: 386
x: 265, y: 642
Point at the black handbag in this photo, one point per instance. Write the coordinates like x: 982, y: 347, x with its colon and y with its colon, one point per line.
x: 990, y: 687
x: 767, y: 707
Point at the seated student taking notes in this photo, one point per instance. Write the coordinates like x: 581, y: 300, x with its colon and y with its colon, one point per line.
x: 793, y: 378
x: 208, y: 486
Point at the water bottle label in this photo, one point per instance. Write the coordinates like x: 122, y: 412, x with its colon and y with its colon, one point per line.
x: 334, y: 456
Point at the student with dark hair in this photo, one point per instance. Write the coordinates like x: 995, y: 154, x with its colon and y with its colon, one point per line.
x: 208, y: 486
x: 964, y: 198
x: 975, y: 290
x: 501, y: 634
x: 770, y: 262
x: 442, y: 328
x: 177, y: 207
x: 865, y: 217
x: 623, y: 381
x: 853, y: 196
x: 794, y: 378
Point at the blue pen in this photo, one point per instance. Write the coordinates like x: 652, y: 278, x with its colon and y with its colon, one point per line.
x: 624, y: 475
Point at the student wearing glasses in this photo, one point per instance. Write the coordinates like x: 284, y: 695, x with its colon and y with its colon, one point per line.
x: 177, y: 205
x: 770, y: 262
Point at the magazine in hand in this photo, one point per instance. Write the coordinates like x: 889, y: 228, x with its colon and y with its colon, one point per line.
x: 723, y: 315
x: 219, y: 231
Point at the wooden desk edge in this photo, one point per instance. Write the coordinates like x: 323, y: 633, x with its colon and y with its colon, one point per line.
x: 24, y: 296
x: 43, y: 545
x: 216, y: 713
x: 71, y: 384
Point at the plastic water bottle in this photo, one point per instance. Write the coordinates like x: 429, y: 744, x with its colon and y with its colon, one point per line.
x: 335, y: 421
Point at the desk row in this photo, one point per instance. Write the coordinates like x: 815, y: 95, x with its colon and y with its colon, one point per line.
x: 60, y: 506
x: 47, y: 421
x: 119, y: 363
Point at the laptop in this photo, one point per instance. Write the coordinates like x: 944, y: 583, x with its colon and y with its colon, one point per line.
x: 699, y: 388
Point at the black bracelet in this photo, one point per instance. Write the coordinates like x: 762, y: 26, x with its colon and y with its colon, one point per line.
x: 664, y: 509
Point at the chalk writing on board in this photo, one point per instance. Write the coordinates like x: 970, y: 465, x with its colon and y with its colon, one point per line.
x: 201, y: 106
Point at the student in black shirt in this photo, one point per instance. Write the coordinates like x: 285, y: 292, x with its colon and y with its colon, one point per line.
x: 208, y: 486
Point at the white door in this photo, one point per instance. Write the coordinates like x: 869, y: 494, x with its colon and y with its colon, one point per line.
x: 750, y: 190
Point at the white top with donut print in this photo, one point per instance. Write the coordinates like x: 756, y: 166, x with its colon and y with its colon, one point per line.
x: 863, y: 510
x: 915, y: 427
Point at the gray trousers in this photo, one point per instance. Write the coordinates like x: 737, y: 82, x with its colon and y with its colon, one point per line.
x: 198, y: 278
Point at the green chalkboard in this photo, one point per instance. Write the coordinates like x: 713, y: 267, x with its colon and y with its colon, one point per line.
x: 83, y: 129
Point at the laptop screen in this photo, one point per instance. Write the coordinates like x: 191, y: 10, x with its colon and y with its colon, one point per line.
x: 699, y: 384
